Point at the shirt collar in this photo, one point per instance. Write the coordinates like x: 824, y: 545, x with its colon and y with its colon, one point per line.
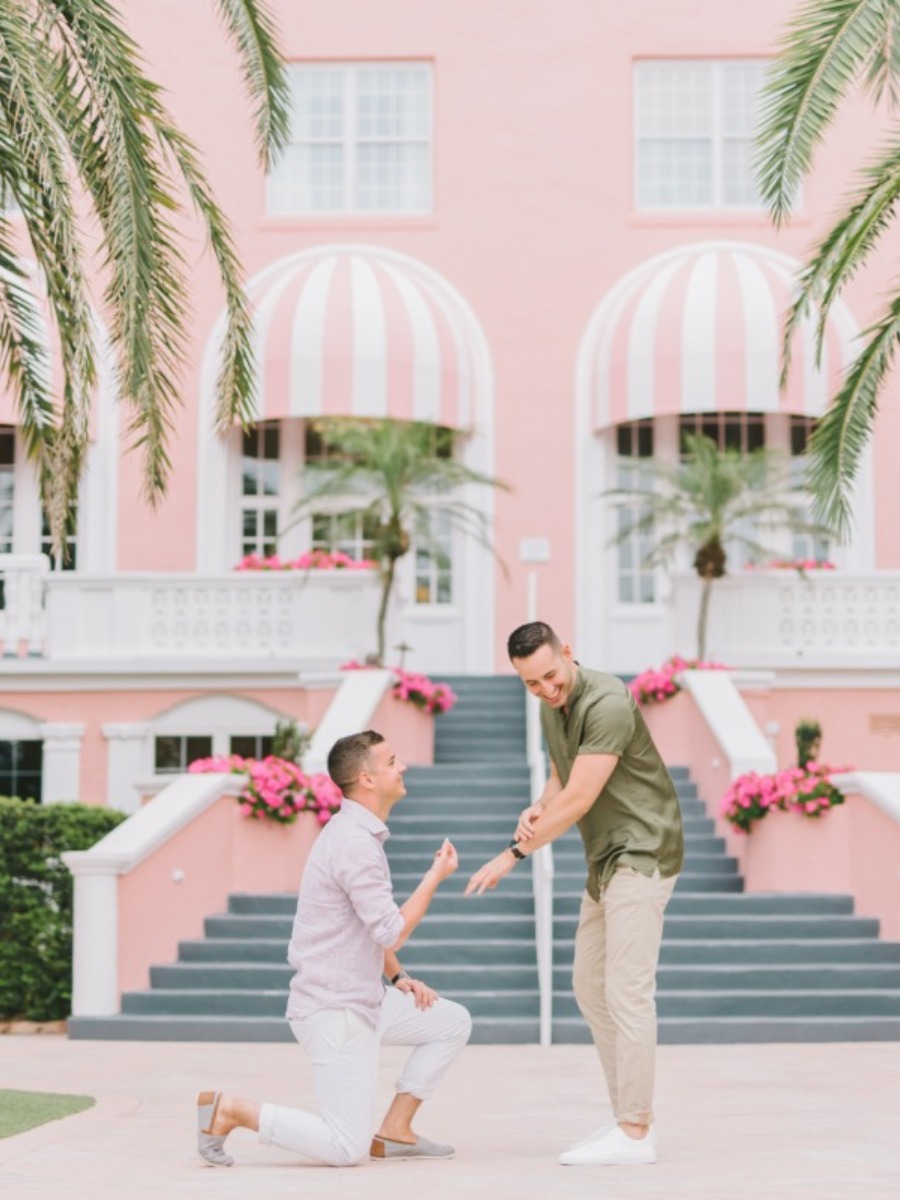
x: 360, y: 815
x: 580, y: 684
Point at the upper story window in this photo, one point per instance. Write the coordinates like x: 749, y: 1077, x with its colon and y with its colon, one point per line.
x: 636, y: 580
x: 260, y: 489
x: 7, y: 487
x: 360, y: 141
x: 694, y: 128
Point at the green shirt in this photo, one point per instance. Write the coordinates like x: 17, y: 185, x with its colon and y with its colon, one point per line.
x: 636, y: 819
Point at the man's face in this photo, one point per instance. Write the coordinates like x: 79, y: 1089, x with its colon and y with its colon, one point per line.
x: 386, y: 771
x: 549, y: 674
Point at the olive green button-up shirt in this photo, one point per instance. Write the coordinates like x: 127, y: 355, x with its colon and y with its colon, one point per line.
x: 635, y: 821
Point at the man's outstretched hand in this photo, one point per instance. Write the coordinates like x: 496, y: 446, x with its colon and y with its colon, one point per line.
x: 490, y: 874
x: 445, y: 861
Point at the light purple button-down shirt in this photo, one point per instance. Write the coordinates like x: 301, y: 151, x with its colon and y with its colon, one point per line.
x: 346, y: 918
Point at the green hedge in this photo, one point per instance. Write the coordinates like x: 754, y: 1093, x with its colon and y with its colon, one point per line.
x: 36, y: 902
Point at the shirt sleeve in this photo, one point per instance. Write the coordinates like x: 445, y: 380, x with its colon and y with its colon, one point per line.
x: 364, y: 875
x: 608, y: 726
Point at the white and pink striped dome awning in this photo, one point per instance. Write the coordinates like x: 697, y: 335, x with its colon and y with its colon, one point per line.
x: 698, y: 329
x: 366, y: 332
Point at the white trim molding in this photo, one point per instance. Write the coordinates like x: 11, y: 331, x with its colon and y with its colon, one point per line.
x: 61, y: 771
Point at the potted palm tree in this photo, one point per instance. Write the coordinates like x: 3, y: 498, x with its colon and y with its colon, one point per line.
x: 711, y: 500
x: 396, y: 474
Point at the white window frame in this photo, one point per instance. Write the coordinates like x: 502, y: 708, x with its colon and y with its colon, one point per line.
x: 432, y: 571
x: 717, y: 68
x: 350, y: 142
x: 262, y: 502
x: 636, y: 570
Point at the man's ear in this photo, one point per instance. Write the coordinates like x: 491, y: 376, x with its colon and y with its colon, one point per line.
x: 567, y: 653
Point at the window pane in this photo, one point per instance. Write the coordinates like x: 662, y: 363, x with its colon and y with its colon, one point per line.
x: 739, y: 188
x: 675, y: 174
x: 7, y: 447
x: 167, y: 754
x: 251, y: 520
x: 197, y: 747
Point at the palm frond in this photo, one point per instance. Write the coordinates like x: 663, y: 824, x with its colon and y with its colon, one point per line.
x: 24, y: 357
x: 884, y: 69
x: 252, y: 28
x: 828, y: 45
x: 838, y: 441
x: 845, y: 249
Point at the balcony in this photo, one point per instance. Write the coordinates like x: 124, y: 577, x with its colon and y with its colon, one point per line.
x: 178, y: 622
x: 780, y: 619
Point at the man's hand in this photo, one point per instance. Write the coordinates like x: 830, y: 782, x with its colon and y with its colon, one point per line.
x: 525, y: 827
x: 445, y: 861
x: 490, y: 874
x: 424, y: 995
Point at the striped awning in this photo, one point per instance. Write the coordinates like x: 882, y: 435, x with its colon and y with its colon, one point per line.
x: 698, y: 329
x: 366, y: 332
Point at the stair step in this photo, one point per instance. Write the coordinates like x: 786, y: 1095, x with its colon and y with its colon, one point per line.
x: 786, y: 1003
x: 674, y: 1031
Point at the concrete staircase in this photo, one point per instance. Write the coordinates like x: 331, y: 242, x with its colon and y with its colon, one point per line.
x: 734, y: 968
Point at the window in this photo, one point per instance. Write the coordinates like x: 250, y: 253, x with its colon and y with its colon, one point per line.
x: 351, y: 533
x: 804, y: 545
x: 360, y: 140
x: 260, y: 489
x: 251, y: 745
x: 173, y: 754
x: 7, y: 487
x: 21, y: 765
x: 434, y: 562
x: 729, y: 430
x: 69, y: 560
x: 694, y: 126
x: 635, y: 580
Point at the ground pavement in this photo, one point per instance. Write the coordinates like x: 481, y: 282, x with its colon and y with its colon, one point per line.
x: 777, y: 1122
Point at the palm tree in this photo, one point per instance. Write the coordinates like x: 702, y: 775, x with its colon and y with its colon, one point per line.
x: 832, y: 46
x: 81, y: 123
x: 395, y: 474
x: 712, y: 499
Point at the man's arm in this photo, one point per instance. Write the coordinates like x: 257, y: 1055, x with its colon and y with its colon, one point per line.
x: 589, y: 775
x: 552, y: 788
x: 415, y: 908
x: 424, y: 995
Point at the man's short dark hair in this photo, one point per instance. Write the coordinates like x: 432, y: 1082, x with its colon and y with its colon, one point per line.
x: 523, y: 642
x: 350, y: 755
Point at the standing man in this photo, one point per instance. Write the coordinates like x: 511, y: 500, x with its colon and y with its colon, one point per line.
x: 607, y: 775
x: 346, y: 934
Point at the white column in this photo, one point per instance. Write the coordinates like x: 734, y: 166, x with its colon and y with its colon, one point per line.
x: 125, y: 765
x: 61, y: 775
x: 95, y: 966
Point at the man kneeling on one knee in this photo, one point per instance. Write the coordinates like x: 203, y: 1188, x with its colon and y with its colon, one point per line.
x: 346, y: 935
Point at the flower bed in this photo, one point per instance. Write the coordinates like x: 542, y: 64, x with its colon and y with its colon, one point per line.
x: 433, y: 698
x: 657, y: 684
x: 806, y: 790
x: 277, y: 789
x: 795, y: 564
x: 313, y: 560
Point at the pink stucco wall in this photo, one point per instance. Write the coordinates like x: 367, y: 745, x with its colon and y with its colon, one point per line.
x: 533, y: 218
x: 166, y: 898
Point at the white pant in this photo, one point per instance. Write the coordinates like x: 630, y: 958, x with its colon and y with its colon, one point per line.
x: 343, y: 1051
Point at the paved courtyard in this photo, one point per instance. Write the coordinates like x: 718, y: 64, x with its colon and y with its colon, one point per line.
x: 734, y: 1121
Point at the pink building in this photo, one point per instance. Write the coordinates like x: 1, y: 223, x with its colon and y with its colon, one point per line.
x: 535, y: 225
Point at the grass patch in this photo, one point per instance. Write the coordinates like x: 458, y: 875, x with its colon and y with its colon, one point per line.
x: 20, y: 1111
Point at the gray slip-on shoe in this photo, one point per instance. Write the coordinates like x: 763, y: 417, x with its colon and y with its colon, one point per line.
x: 210, y: 1147
x: 383, y: 1149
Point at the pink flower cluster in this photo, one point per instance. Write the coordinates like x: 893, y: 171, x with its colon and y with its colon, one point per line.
x: 313, y: 560
x: 657, y: 684
x: 431, y: 697
x: 808, y: 790
x: 277, y: 790
x: 796, y: 564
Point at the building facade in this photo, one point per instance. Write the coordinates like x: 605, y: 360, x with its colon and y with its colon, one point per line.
x: 533, y: 225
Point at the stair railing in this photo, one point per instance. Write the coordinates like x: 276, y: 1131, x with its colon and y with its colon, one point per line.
x: 541, y: 875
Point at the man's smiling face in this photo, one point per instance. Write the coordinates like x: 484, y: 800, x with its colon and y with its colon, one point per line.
x: 549, y: 674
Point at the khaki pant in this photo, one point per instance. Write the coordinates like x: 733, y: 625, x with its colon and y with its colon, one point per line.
x: 616, y: 955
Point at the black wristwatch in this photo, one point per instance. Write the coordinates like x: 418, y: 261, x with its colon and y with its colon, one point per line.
x: 396, y: 979
x: 517, y: 853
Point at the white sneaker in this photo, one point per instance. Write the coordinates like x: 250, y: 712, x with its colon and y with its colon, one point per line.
x: 613, y: 1148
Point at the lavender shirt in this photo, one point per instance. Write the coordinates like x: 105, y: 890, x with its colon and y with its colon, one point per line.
x: 346, y: 918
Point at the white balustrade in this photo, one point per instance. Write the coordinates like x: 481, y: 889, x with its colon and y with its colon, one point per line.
x: 315, y: 616
x: 779, y: 618
x: 23, y: 625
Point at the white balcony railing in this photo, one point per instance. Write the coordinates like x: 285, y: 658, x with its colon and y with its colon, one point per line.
x: 782, y: 619
x: 318, y: 617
